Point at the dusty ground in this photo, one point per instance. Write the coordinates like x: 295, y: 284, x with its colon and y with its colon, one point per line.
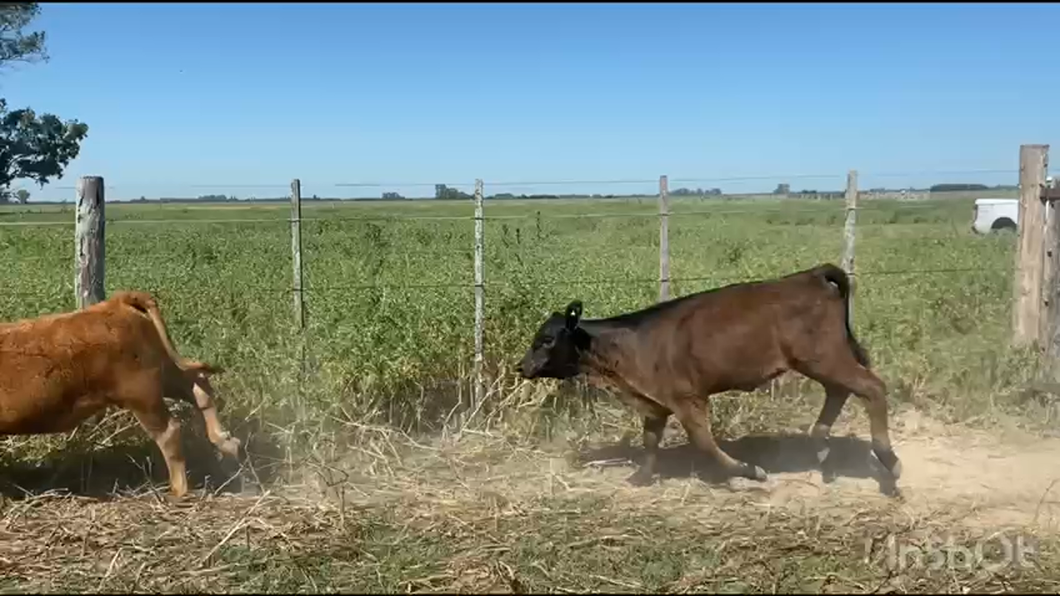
x: 483, y: 514
x: 1012, y: 481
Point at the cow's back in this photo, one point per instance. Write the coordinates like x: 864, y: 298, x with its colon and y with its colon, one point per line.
x: 57, y: 370
x: 707, y: 343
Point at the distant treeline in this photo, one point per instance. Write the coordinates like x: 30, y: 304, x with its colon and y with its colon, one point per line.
x: 967, y: 187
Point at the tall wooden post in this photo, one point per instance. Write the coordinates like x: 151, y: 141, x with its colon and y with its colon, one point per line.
x: 296, y: 252
x: 850, y: 225
x: 90, y: 236
x: 480, y: 303
x: 296, y: 286
x: 1051, y: 331
x: 664, y: 239
x: 1027, y: 285
x: 850, y: 233
x: 1050, y: 241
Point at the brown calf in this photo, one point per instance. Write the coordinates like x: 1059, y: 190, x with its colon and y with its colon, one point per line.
x: 59, y: 369
x: 670, y: 357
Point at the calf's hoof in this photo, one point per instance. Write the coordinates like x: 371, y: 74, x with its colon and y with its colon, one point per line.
x: 754, y: 472
x: 889, y: 488
x: 822, y: 454
x: 230, y: 447
x: 890, y: 461
x: 177, y: 495
x: 641, y: 478
x: 892, y: 467
x: 828, y: 475
x: 827, y: 467
x: 896, y: 469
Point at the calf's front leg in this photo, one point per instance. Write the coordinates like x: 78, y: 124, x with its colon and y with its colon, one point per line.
x: 654, y: 426
x: 694, y: 415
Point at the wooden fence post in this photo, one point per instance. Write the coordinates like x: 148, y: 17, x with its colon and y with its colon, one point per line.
x: 1051, y: 337
x: 90, y: 234
x: 849, y: 227
x: 296, y: 284
x: 849, y: 235
x: 1046, y: 319
x: 664, y: 239
x: 1027, y: 285
x: 296, y: 252
x: 479, y: 389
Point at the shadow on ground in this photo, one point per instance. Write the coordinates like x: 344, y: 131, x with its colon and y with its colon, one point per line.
x: 776, y: 453
x: 105, y: 472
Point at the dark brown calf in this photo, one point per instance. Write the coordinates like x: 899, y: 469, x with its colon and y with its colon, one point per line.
x: 670, y: 357
x: 59, y: 369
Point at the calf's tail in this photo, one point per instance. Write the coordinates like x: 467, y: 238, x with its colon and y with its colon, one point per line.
x: 145, y: 304
x: 837, y: 276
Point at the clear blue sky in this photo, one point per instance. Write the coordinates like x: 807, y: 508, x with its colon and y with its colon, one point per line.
x: 180, y: 97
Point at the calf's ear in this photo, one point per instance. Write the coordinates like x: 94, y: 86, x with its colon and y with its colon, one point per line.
x: 574, y: 314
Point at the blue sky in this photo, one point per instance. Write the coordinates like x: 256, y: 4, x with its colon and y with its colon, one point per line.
x: 191, y: 99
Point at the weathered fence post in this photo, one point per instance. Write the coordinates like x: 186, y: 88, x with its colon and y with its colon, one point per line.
x: 1051, y: 334
x: 664, y: 239
x: 850, y: 233
x: 1030, y: 255
x: 296, y: 252
x: 1046, y: 318
x: 90, y: 231
x: 850, y: 227
x: 296, y: 283
x: 479, y: 389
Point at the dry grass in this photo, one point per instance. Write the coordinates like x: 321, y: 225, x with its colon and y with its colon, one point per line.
x: 489, y: 511
x: 525, y: 500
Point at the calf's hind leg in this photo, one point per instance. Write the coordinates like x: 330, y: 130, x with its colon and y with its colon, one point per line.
x: 193, y: 387
x: 207, y: 404
x: 835, y: 397
x: 842, y: 370
x: 155, y: 418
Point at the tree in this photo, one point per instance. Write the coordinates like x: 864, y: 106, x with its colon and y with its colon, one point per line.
x: 22, y: 195
x: 16, y: 46
x: 32, y: 147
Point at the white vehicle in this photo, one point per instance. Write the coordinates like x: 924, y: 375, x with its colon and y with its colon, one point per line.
x: 992, y: 215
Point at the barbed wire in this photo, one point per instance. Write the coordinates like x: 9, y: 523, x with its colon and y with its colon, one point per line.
x: 240, y: 287
x: 578, y: 182
x: 650, y: 280
x: 941, y: 172
x: 819, y: 207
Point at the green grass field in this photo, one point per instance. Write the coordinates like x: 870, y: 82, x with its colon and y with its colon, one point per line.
x: 389, y: 342
x: 390, y: 303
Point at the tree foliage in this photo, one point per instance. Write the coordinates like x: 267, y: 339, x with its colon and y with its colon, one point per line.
x: 35, y: 147
x: 16, y: 46
x: 32, y: 147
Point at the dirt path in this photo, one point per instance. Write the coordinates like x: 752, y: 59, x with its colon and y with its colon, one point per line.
x: 992, y: 483
x: 998, y: 483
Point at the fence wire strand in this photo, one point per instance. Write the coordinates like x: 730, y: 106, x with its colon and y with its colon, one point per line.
x: 830, y: 206
x: 488, y: 182
x: 618, y: 281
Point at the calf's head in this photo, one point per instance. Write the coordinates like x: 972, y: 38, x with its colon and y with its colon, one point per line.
x: 554, y: 353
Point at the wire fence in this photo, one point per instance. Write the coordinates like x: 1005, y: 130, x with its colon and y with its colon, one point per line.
x: 484, y: 245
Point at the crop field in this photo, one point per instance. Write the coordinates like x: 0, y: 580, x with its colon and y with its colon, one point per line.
x: 353, y: 481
